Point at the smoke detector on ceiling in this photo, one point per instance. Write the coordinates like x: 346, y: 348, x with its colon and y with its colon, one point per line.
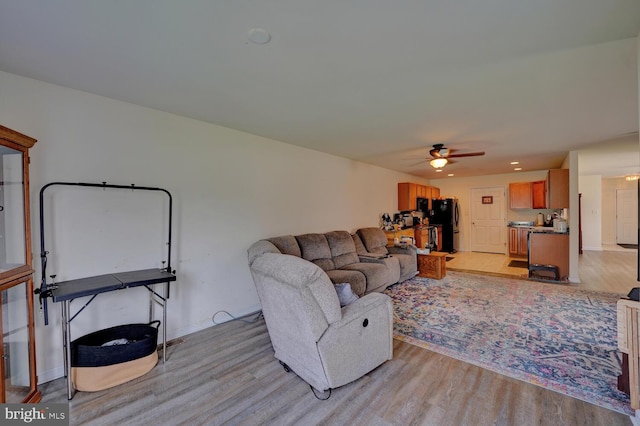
x: 259, y: 36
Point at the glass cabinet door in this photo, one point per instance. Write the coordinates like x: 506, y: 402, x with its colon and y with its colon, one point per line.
x: 16, y: 358
x: 12, y: 209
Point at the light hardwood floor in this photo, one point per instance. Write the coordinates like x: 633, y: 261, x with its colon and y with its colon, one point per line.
x: 612, y: 270
x: 227, y: 375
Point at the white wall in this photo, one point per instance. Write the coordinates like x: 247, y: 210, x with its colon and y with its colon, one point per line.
x: 230, y: 189
x: 591, y: 189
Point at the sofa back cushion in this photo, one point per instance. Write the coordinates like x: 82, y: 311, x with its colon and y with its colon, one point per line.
x: 374, y: 240
x: 315, y: 248
x: 287, y: 244
x: 343, y: 250
x: 360, y: 248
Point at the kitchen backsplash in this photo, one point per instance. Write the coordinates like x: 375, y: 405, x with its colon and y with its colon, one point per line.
x: 530, y: 215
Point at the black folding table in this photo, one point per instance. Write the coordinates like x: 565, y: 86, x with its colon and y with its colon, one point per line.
x: 66, y: 291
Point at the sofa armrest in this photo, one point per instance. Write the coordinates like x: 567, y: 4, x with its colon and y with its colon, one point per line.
x: 407, y: 249
x: 373, y: 258
x: 360, y: 341
x: 365, y: 305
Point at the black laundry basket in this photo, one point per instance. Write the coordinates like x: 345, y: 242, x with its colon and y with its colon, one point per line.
x: 96, y: 367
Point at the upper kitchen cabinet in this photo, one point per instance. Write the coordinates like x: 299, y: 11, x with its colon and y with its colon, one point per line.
x: 520, y: 195
x: 435, y: 193
x: 539, y: 194
x: 558, y: 189
x: 408, y: 193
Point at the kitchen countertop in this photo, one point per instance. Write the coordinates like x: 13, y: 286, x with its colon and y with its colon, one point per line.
x: 534, y: 228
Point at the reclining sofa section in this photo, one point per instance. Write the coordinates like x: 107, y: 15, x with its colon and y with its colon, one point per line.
x: 345, y: 258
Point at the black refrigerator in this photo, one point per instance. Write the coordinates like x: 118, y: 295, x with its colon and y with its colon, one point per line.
x: 446, y: 213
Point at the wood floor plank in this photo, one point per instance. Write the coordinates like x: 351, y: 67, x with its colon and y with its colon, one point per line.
x: 227, y: 375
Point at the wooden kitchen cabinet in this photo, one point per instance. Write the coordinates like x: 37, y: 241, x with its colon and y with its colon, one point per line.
x: 391, y: 235
x: 558, y: 189
x: 520, y: 195
x: 435, y: 193
x: 421, y: 236
x: 518, y: 246
x: 539, y: 194
x: 407, y: 195
x: 408, y: 192
x: 18, y: 380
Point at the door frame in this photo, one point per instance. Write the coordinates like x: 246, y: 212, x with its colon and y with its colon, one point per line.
x: 503, y: 217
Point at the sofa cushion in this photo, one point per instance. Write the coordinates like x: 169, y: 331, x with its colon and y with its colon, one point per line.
x: 377, y: 274
x: 408, y: 261
x: 355, y: 278
x: 345, y: 294
x: 357, y: 241
x: 315, y: 248
x: 287, y: 244
x: 343, y: 250
x: 374, y: 240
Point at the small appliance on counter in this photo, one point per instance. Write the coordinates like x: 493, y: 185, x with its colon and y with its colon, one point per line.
x: 408, y: 219
x: 540, y: 220
x: 559, y: 225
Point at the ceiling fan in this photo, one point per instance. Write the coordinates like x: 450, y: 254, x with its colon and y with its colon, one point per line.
x: 441, y: 155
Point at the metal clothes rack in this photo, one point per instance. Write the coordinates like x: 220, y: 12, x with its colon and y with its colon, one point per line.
x: 65, y: 292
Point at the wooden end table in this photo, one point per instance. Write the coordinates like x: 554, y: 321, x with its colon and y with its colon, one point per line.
x: 432, y: 265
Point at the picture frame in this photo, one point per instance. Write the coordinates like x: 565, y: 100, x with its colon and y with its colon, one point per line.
x: 487, y: 199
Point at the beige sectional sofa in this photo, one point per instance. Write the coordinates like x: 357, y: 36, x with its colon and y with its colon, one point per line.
x: 326, y: 342
x: 361, y: 259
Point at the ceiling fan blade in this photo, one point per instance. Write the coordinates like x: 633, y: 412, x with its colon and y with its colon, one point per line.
x: 469, y: 154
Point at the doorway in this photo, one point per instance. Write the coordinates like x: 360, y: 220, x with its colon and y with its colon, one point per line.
x: 626, y: 216
x: 488, y: 231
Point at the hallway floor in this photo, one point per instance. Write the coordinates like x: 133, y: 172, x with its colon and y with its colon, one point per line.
x: 614, y: 269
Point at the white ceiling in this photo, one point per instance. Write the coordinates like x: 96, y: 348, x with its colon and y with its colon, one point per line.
x: 376, y: 81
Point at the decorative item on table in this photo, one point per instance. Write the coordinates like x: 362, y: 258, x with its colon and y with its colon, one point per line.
x: 407, y: 240
x: 404, y: 241
x: 387, y: 224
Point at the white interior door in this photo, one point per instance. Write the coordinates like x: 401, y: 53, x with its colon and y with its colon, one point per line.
x: 626, y: 216
x: 488, y: 228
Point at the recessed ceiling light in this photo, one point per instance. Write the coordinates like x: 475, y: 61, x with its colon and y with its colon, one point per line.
x: 515, y: 162
x: 259, y: 36
x: 518, y: 168
x: 438, y: 170
x: 450, y: 174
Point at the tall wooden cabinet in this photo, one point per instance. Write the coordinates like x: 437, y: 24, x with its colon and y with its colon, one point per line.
x: 18, y: 381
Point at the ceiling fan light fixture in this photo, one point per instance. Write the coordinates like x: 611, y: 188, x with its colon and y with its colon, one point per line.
x: 438, y: 163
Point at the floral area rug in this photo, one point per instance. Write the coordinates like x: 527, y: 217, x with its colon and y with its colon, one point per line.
x: 550, y: 335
